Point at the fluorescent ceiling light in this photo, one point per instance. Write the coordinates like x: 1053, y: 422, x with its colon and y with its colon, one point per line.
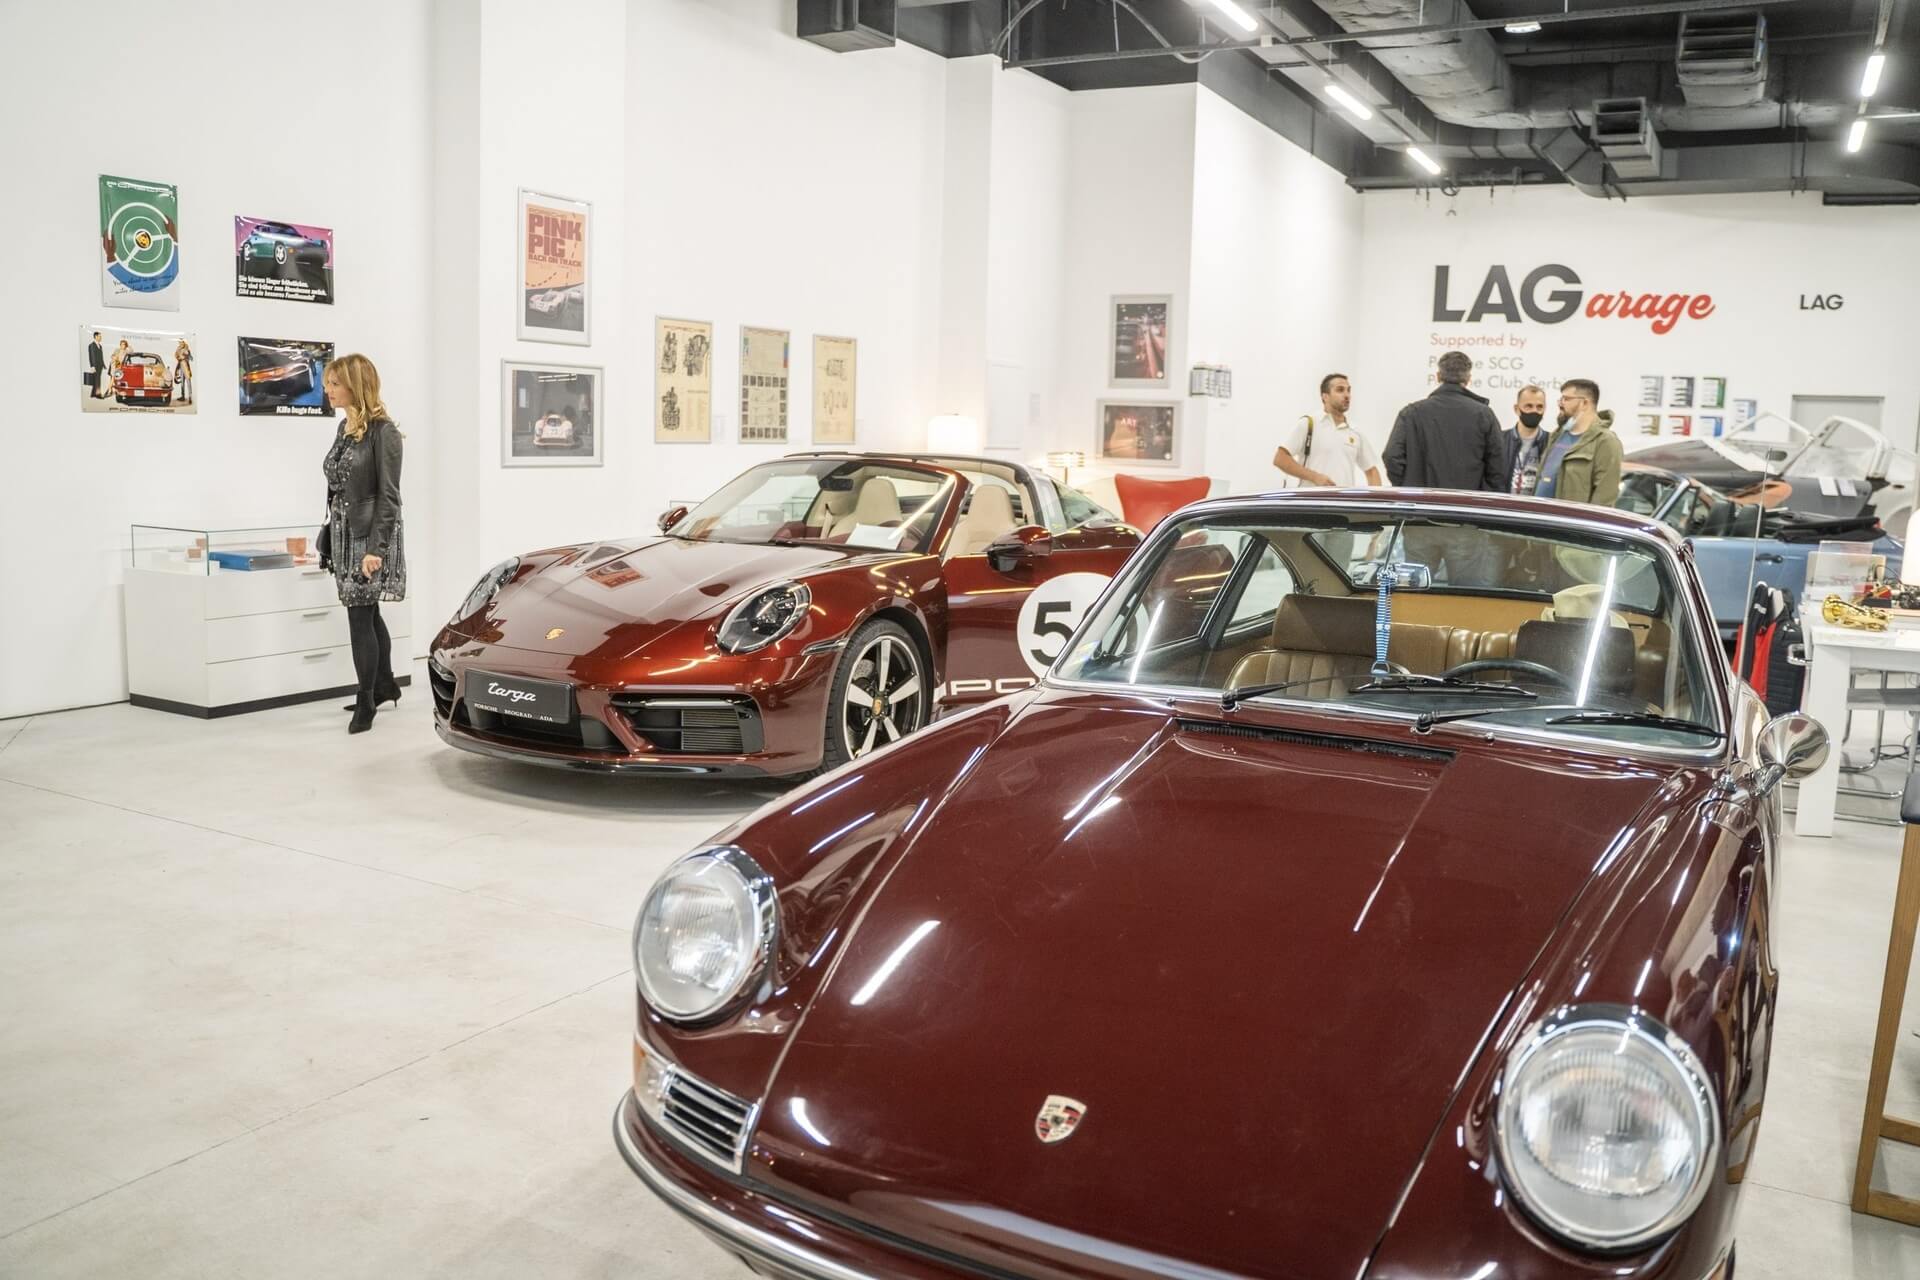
x: 1870, y: 78
x: 1522, y: 28
x: 1857, y: 135
x: 1238, y: 16
x: 1355, y: 108
x: 1425, y: 161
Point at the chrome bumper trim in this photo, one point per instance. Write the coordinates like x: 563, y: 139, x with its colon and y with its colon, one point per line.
x: 762, y: 1244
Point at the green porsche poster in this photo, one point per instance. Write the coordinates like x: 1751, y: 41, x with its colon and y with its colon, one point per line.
x: 140, y: 244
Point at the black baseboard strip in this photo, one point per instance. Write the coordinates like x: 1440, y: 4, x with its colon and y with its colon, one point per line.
x: 258, y: 704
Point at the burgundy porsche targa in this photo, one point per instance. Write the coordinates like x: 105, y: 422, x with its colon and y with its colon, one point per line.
x: 815, y: 608
x: 1379, y: 887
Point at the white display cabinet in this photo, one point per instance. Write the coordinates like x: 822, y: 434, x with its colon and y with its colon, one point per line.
x: 222, y: 621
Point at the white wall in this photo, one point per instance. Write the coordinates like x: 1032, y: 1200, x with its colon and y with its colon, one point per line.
x: 1276, y: 235
x: 1756, y: 255
x: 239, y: 133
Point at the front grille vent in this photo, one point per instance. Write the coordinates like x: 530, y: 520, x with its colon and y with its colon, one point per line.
x: 709, y: 1120
x: 1295, y: 737
x: 693, y: 726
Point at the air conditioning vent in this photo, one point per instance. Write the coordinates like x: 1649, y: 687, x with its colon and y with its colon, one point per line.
x: 847, y: 26
x: 1721, y: 60
x: 1623, y: 130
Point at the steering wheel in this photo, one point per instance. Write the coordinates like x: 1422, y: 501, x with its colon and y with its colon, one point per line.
x: 1539, y: 669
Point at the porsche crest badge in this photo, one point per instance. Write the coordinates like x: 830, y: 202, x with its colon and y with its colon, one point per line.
x: 556, y: 633
x: 1058, y: 1117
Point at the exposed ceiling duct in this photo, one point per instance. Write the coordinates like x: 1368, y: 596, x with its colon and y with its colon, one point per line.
x: 1722, y: 58
x: 1460, y: 76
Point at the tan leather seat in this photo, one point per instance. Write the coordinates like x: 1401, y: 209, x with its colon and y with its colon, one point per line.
x: 989, y: 514
x: 879, y: 504
x: 1565, y: 647
x: 835, y: 504
x: 1313, y: 637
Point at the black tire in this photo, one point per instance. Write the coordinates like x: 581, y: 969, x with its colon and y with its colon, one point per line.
x: 853, y: 729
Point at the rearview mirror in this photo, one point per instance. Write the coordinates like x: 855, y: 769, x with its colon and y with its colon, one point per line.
x: 1022, y: 546
x: 1790, y: 746
x: 671, y: 517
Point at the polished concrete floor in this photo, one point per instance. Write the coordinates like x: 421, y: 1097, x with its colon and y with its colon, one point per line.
x: 281, y: 1002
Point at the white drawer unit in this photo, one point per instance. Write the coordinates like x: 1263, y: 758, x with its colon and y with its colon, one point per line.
x: 231, y: 641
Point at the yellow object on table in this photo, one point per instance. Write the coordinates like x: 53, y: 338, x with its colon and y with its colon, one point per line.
x: 1841, y: 614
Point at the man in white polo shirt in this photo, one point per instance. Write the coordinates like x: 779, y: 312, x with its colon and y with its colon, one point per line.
x: 1326, y: 450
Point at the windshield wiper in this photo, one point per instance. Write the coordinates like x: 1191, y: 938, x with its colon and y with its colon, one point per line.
x: 1578, y: 715
x: 1441, y: 684
x: 1231, y: 698
x: 1643, y: 718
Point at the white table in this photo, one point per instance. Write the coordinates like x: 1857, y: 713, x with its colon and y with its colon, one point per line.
x: 1833, y: 655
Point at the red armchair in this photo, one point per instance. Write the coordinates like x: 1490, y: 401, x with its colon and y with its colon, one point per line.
x: 1145, y: 503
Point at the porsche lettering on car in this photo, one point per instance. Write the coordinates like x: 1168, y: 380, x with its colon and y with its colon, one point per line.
x: 1380, y: 886
x: 815, y: 609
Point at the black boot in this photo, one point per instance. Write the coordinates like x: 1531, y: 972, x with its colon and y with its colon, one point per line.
x: 388, y: 690
x: 362, y: 714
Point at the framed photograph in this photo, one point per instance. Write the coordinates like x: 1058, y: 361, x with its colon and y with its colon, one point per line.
x: 556, y: 299
x: 135, y: 371
x: 1653, y: 391
x: 764, y: 361
x: 550, y: 415
x: 682, y: 381
x: 1680, y: 392
x: 286, y: 260
x: 835, y: 373
x: 1140, y: 326
x: 1148, y: 434
x: 284, y: 377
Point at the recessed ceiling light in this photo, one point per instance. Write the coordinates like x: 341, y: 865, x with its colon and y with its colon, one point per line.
x: 1870, y: 78
x: 1857, y: 135
x: 1356, y: 108
x: 1239, y: 17
x: 1425, y: 161
x: 1522, y: 28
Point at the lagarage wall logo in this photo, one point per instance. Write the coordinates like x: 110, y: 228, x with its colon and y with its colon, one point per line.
x: 1553, y: 294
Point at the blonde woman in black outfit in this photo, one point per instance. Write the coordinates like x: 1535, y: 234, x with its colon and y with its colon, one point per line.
x: 362, y: 542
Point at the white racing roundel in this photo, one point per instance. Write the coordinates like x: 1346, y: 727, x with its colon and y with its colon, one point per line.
x: 1051, y: 614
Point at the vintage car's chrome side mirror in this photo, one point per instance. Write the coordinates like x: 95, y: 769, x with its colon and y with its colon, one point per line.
x: 671, y: 517
x: 1791, y: 746
x: 1021, y: 546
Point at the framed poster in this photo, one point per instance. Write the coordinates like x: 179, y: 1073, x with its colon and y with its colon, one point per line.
x: 550, y: 415
x: 556, y: 300
x: 682, y: 381
x: 139, y: 244
x: 1680, y: 392
x: 1653, y: 391
x: 1139, y: 325
x: 1142, y: 433
x: 763, y: 385
x: 286, y: 260
x: 135, y: 371
x: 835, y: 373
x: 284, y: 377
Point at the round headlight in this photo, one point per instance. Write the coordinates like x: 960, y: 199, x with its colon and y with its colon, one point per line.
x: 1607, y: 1129
x: 484, y: 590
x: 704, y: 934
x: 764, y: 617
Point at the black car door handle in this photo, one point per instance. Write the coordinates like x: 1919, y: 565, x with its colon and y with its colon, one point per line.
x: 1768, y: 557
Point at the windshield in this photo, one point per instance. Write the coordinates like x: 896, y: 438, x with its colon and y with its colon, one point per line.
x: 885, y: 506
x: 1532, y: 625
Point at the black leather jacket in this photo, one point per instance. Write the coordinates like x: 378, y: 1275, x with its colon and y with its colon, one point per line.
x: 1450, y: 440
x: 372, y: 494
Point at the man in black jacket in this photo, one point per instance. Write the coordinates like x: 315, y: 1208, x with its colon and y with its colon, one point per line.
x: 1450, y: 440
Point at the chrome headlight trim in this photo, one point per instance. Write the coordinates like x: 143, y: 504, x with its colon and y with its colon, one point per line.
x: 750, y: 952
x: 741, y: 632
x: 486, y: 589
x: 1659, y: 1047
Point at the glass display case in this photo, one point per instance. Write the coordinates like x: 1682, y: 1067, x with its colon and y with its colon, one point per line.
x: 175, y: 549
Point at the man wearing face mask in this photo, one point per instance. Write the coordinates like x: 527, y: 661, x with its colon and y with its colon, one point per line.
x: 1526, y: 441
x: 1582, y: 462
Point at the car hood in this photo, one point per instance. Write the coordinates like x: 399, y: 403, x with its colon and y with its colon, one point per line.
x: 614, y: 599
x: 1262, y: 963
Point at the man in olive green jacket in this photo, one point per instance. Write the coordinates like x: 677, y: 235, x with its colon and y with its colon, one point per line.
x: 1583, y: 462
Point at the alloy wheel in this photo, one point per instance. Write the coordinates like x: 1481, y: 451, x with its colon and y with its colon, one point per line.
x: 883, y: 695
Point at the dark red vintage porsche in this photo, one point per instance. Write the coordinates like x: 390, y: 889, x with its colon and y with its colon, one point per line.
x: 1379, y: 886
x: 815, y: 608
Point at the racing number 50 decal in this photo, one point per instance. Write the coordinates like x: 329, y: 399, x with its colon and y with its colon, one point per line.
x: 1050, y: 615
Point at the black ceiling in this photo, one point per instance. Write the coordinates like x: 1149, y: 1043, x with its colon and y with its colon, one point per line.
x: 1815, y: 49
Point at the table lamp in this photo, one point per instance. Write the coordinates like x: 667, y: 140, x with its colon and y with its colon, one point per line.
x: 1066, y: 460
